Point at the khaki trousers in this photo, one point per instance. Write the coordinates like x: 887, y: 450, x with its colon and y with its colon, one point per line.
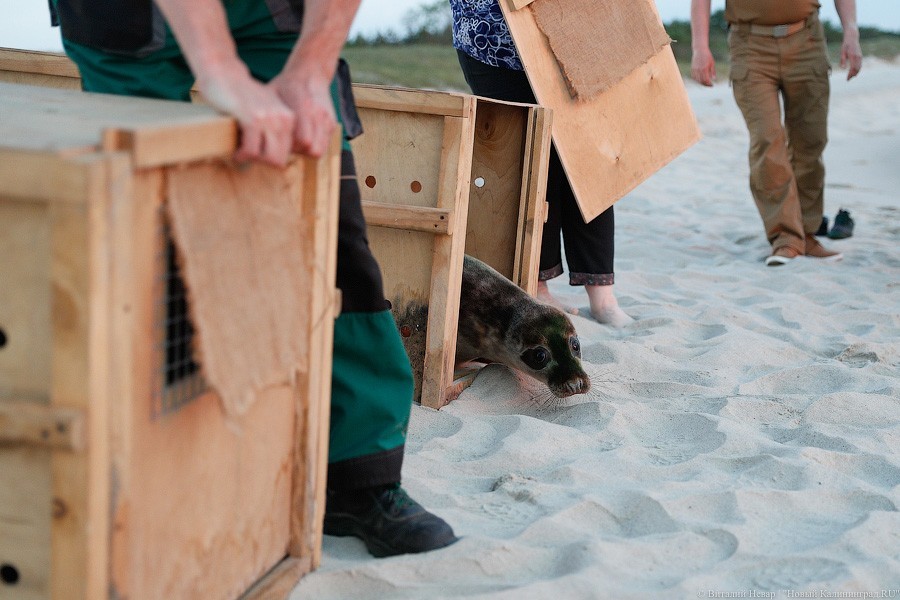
x: 787, y: 174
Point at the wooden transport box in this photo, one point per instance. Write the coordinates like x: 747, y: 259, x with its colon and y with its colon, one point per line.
x: 440, y: 174
x: 120, y: 475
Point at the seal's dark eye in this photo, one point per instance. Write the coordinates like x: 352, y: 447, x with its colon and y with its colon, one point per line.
x: 536, y: 358
x: 576, y: 346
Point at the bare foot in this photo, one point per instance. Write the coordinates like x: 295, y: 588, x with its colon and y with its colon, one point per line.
x: 544, y: 295
x: 604, y: 306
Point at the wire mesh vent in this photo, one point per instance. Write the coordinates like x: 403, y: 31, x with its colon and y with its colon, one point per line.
x: 179, y: 377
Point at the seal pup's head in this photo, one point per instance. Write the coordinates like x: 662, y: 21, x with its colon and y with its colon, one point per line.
x: 548, y: 349
x: 501, y: 323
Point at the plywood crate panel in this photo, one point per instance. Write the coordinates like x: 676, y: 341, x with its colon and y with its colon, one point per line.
x: 444, y: 174
x: 118, y: 479
x: 612, y: 141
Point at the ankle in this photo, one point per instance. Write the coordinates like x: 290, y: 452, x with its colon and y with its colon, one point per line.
x: 544, y: 295
x: 605, y: 307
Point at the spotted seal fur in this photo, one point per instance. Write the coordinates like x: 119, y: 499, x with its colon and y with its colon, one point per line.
x: 499, y: 322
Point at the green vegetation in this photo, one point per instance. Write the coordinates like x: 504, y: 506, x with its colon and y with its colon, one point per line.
x: 423, y: 56
x: 423, y: 66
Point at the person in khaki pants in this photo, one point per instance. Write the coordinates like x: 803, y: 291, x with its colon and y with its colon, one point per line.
x: 777, y: 48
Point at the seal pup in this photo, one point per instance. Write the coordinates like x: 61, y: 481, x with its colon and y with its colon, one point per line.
x: 499, y: 322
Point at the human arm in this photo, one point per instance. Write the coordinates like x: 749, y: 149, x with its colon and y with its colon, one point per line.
x: 266, y: 123
x: 851, y: 53
x: 703, y: 65
x: 304, y: 83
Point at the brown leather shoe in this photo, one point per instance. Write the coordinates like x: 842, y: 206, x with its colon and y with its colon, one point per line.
x: 816, y: 250
x: 782, y: 256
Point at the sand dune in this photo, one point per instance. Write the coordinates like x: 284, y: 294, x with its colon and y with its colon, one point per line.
x: 742, y: 435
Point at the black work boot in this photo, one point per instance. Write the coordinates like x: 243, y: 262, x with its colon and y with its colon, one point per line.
x: 387, y: 520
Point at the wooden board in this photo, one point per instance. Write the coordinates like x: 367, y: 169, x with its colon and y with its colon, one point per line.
x: 320, y: 200
x: 155, y: 131
x: 507, y: 194
x: 25, y: 363
x: 46, y: 69
x: 610, y: 144
x: 416, y: 155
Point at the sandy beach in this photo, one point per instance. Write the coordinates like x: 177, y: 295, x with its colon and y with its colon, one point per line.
x: 742, y: 435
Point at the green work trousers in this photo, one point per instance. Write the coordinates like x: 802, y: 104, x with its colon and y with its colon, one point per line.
x: 787, y: 174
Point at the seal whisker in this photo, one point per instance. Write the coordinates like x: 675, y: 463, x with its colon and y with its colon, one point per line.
x: 545, y: 400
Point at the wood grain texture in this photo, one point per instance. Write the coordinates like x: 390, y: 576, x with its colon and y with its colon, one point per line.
x: 533, y: 200
x: 445, y: 104
x: 202, y: 502
x: 446, y: 272
x: 613, y: 142
x: 413, y: 218
x: 38, y: 63
x: 29, y: 424
x: 312, y: 400
x: 79, y: 277
x: 67, y: 121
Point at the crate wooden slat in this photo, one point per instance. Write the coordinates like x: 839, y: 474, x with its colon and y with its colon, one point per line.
x: 121, y: 498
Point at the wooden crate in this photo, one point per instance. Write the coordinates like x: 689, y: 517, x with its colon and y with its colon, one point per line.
x: 442, y: 174
x: 115, y: 481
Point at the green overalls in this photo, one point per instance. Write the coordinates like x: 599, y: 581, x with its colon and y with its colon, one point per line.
x: 126, y: 48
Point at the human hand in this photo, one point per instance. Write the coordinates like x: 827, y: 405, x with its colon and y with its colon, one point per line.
x: 309, y: 98
x: 266, y: 122
x: 703, y: 66
x: 851, y: 56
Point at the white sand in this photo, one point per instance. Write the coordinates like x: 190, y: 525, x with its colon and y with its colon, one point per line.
x: 743, y: 435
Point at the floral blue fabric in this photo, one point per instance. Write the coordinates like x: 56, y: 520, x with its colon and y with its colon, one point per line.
x: 480, y: 31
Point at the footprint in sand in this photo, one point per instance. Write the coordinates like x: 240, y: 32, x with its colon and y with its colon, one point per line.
x: 512, y: 514
x: 809, y: 437
x: 512, y: 501
x: 874, y: 470
x: 671, y: 438
x: 854, y: 409
x: 795, y: 573
x: 777, y: 315
x: 765, y: 470
x: 646, y: 325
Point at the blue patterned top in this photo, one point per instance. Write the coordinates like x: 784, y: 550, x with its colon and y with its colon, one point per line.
x: 480, y: 31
